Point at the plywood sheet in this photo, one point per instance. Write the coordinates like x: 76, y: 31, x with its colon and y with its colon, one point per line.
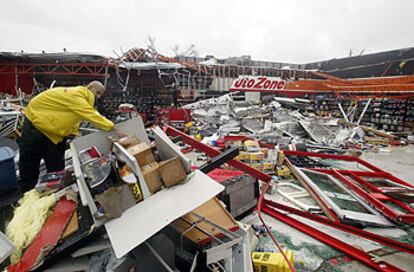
x: 214, y: 211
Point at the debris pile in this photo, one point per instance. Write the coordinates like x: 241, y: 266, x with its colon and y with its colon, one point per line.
x: 150, y: 202
x: 112, y: 187
x: 11, y: 116
x: 217, y: 119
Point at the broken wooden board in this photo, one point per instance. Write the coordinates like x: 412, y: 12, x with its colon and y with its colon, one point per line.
x: 72, y: 227
x: 212, y: 210
x: 368, y: 129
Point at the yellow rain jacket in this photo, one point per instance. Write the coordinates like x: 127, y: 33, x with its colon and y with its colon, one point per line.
x: 57, y: 112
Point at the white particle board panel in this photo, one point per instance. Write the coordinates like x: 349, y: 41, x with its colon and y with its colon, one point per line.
x: 143, y: 220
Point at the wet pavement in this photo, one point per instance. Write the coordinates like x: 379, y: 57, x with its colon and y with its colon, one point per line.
x: 399, y: 161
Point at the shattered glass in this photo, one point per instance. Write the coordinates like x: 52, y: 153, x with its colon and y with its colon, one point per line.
x: 336, y: 193
x: 307, y: 200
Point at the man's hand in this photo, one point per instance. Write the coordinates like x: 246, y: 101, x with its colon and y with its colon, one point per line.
x: 120, y: 133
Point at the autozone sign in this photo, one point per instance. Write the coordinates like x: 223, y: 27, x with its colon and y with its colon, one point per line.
x: 258, y: 84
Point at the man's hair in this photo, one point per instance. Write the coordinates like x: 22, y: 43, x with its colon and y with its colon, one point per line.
x: 95, y: 86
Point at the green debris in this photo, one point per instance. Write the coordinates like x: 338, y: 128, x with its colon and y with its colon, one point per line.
x: 308, y: 256
x: 329, y: 267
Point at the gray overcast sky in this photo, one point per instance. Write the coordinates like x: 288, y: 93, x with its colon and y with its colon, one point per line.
x: 290, y: 30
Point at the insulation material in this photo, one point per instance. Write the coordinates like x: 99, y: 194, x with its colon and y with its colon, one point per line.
x: 28, y: 220
x: 47, y: 238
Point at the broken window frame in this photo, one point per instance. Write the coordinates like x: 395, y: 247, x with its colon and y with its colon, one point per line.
x: 295, y: 197
x: 373, y: 217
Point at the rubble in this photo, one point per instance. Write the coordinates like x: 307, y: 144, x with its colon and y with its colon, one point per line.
x: 154, y: 170
x: 11, y: 117
x: 150, y: 202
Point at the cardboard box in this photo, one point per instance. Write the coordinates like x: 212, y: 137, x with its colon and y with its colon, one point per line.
x: 258, y: 166
x: 268, y: 166
x: 172, y: 171
x: 129, y: 141
x: 142, y: 153
x: 215, y: 212
x: 251, y: 156
x: 152, y: 176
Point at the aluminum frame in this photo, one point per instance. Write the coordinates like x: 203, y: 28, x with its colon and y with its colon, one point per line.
x: 375, y: 198
x: 353, y: 252
x: 372, y: 218
x: 293, y: 197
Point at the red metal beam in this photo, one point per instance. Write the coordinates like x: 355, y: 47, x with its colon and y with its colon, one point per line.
x: 397, y: 180
x: 390, y: 213
x: 356, y: 172
x: 212, y: 152
x: 361, y: 174
x: 334, y: 157
x: 346, y: 228
x: 357, y: 178
x: 353, y: 252
x: 72, y: 69
x: 364, y: 183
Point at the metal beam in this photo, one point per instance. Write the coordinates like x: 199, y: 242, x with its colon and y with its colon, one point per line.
x: 381, y: 207
x: 71, y: 69
x: 343, y: 112
x: 212, y: 152
x: 332, y: 156
x: 363, y: 112
x: 351, y: 251
x: 346, y: 228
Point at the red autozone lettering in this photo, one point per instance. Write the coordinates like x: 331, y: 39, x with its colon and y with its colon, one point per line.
x: 258, y: 84
x: 250, y: 83
x: 238, y: 83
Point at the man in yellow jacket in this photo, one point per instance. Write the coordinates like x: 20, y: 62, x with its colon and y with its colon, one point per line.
x: 52, y: 116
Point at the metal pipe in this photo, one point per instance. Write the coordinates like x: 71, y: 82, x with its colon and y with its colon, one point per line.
x: 212, y: 152
x: 363, y: 112
x: 161, y: 260
x: 343, y: 112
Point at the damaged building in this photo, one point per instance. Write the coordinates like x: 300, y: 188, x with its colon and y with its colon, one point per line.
x: 223, y: 165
